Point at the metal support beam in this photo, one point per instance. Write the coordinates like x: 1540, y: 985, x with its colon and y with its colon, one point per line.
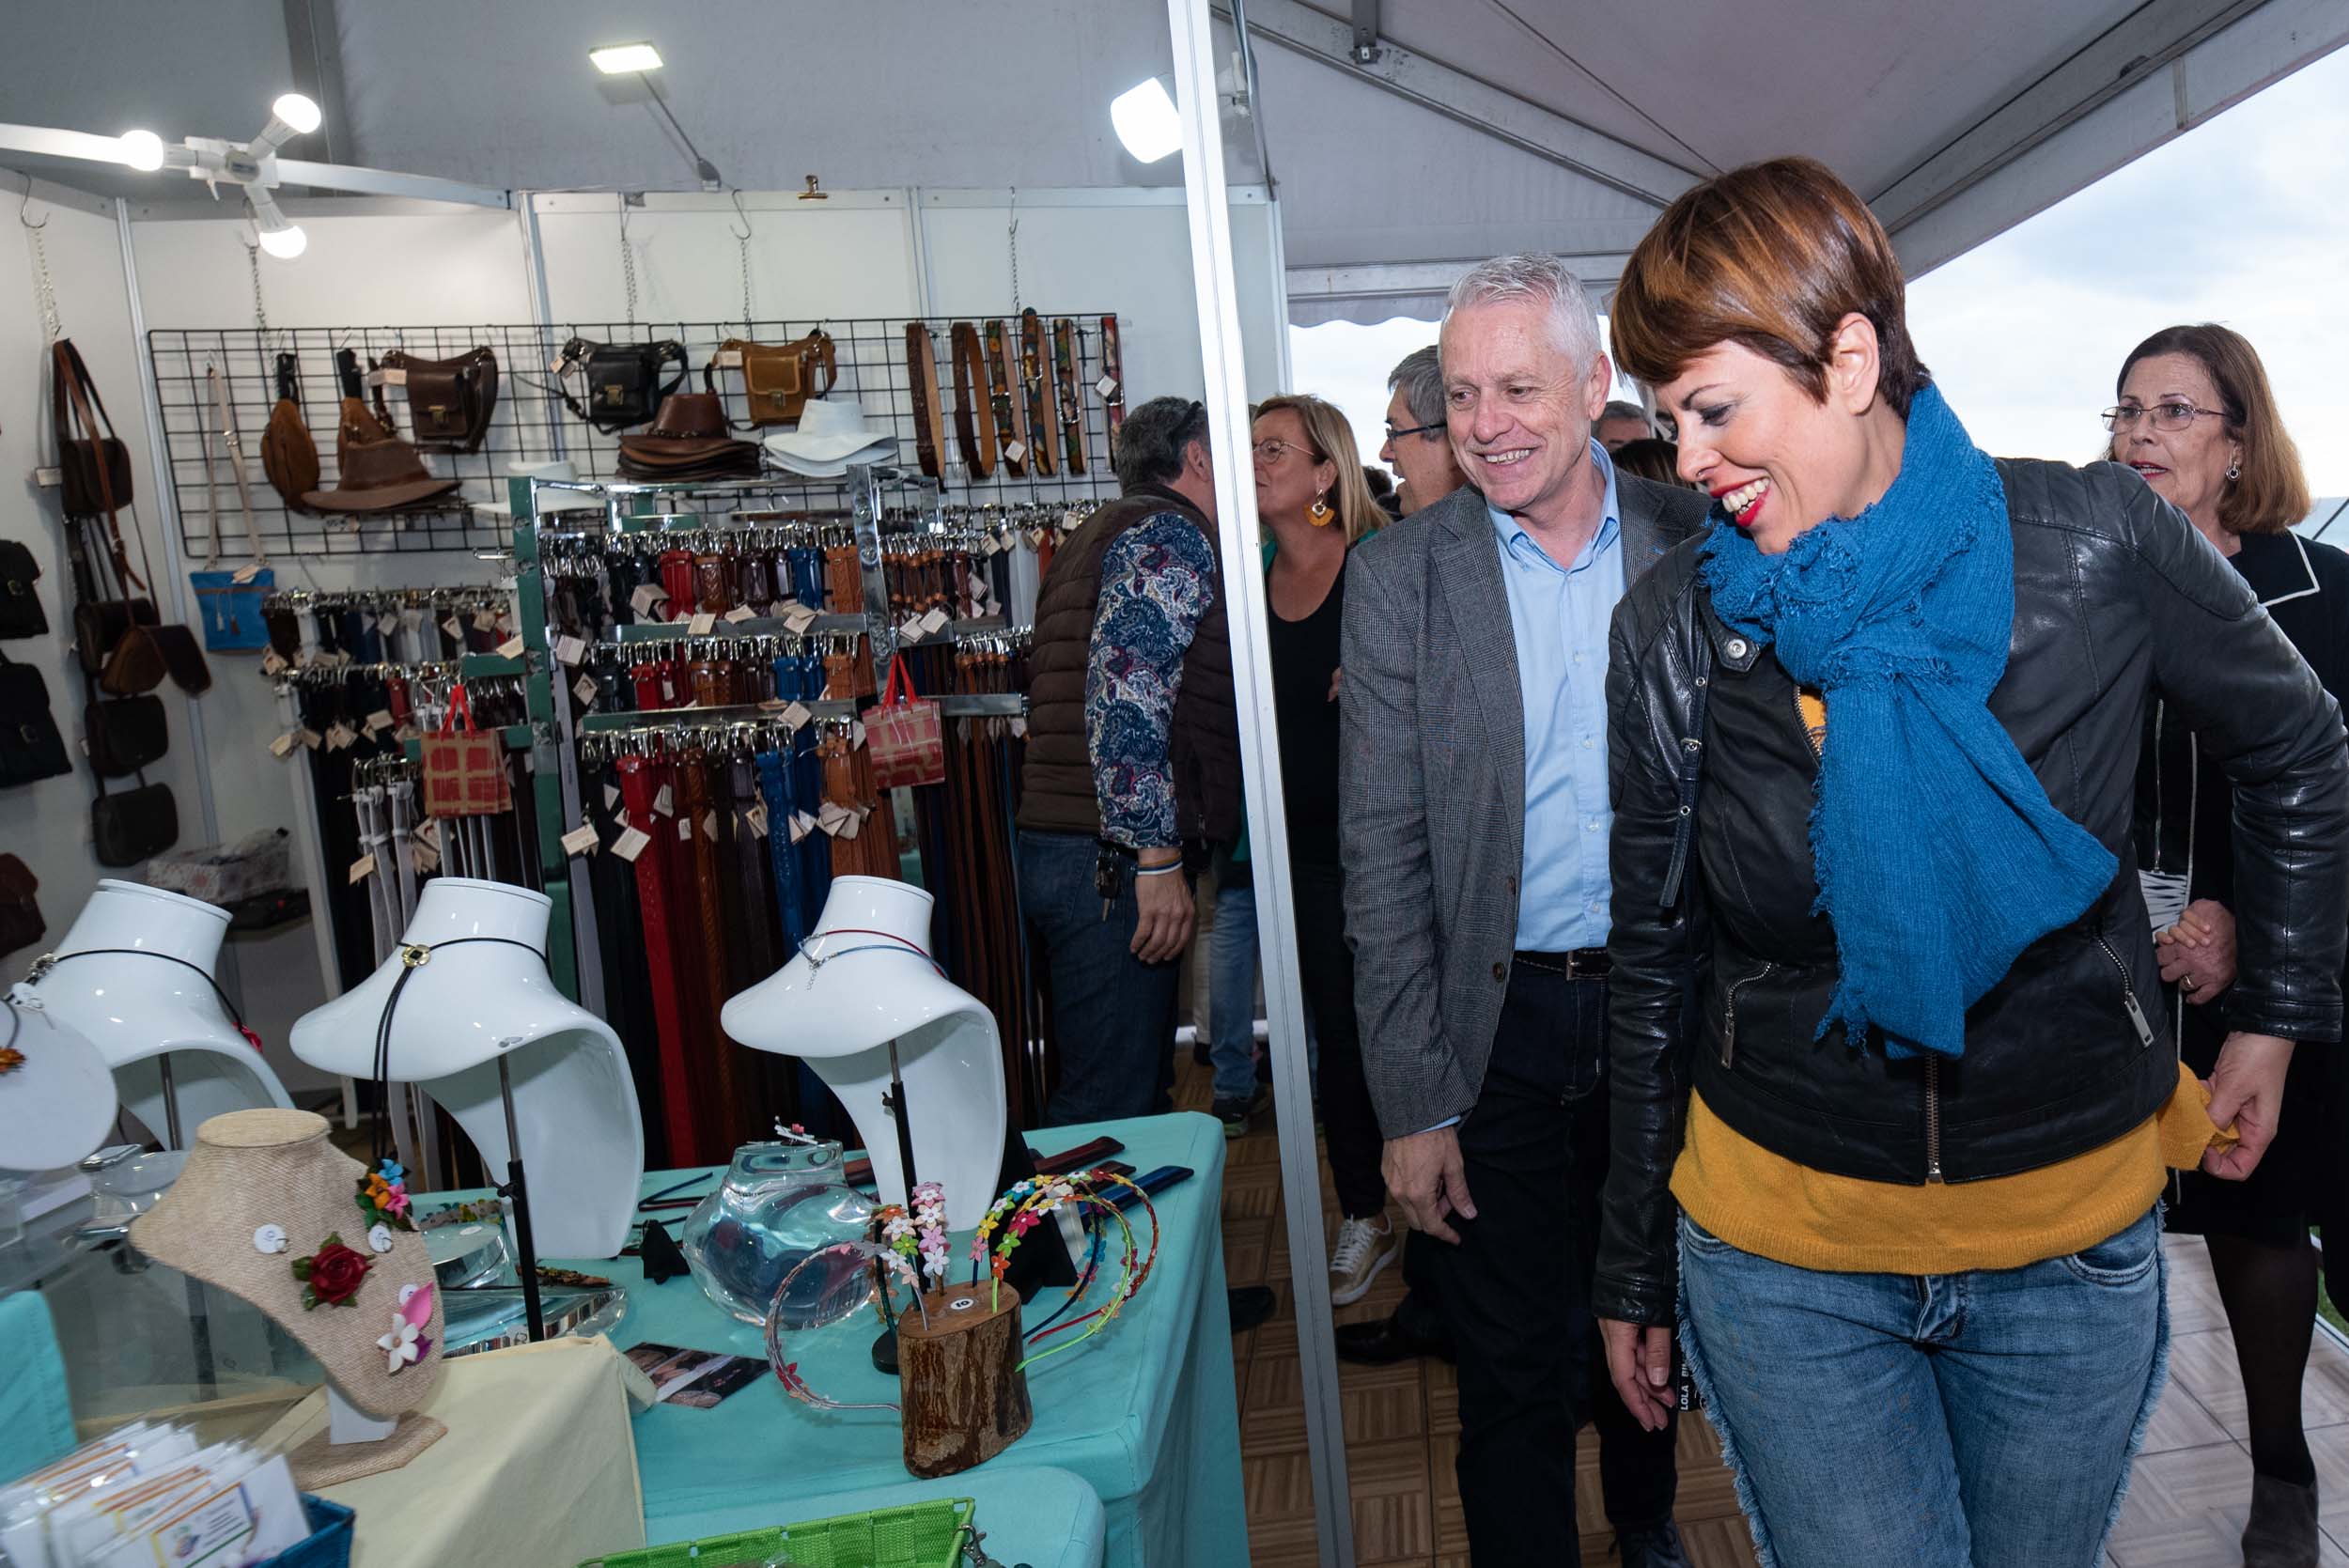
x: 1222, y: 364
x: 2140, y: 46
x: 1466, y: 99
x: 314, y: 49
x: 1365, y: 32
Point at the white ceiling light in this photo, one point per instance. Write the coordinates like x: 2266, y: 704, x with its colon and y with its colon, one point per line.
x: 289, y: 116
x: 1147, y: 121
x: 280, y: 235
x: 619, y: 59
x: 142, y: 149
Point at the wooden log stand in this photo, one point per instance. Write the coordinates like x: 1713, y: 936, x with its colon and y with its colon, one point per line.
x: 965, y: 1400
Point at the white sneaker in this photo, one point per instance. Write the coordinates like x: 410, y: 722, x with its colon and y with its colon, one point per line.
x: 1362, y: 1250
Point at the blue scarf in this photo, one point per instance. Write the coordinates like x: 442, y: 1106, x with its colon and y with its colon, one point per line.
x: 1940, y: 857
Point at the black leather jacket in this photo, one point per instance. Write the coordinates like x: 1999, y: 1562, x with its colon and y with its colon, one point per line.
x: 2115, y: 596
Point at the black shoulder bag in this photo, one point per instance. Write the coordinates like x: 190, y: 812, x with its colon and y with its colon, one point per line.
x: 621, y: 384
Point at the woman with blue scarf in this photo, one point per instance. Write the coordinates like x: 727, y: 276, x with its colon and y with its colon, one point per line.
x: 1873, y: 742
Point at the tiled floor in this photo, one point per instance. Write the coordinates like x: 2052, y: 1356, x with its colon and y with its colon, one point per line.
x: 2186, y: 1503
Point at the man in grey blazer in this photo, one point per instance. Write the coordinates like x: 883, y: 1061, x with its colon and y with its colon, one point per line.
x: 1475, y: 817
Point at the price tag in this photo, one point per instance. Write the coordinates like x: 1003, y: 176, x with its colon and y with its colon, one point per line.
x: 387, y: 377
x: 426, y: 858
x: 830, y: 817
x: 798, y: 618
x: 1019, y: 729
x: 936, y: 622
x: 308, y: 736
x: 283, y: 744
x: 757, y: 817
x: 580, y: 841
x: 1107, y: 387
x: 646, y: 597
x: 611, y: 798
x: 799, y: 826
x: 510, y: 648
x: 911, y: 630
x: 273, y: 662
x: 710, y: 825
x: 701, y: 625
x: 849, y: 824
x: 740, y: 614
x: 362, y: 868
x: 727, y: 358
x: 684, y: 830
x: 661, y: 804
x: 455, y: 627
x: 568, y: 649
x: 630, y: 845
x: 584, y: 690
x: 380, y: 719
x: 1015, y: 452
x: 245, y: 574
x: 856, y: 732
x: 340, y: 736
x: 988, y: 545
x: 797, y: 715
x: 485, y: 620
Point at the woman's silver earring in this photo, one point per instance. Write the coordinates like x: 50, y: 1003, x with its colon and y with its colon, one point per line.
x: 2234, y: 471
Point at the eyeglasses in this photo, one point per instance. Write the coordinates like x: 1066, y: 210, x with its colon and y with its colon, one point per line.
x: 1272, y: 451
x: 2166, y: 416
x: 1394, y: 434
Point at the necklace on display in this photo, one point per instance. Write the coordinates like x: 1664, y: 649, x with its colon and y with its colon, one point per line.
x: 815, y: 961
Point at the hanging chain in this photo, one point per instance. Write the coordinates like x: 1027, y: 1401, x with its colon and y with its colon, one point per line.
x: 260, y: 311
x: 628, y: 263
x: 45, y: 290
x: 1012, y: 238
x: 742, y: 253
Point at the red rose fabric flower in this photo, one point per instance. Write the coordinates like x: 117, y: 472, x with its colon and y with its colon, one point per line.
x: 332, y: 1275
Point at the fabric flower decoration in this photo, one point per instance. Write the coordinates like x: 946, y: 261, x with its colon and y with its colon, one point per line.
x: 383, y: 1201
x: 405, y: 1346
x: 331, y: 1276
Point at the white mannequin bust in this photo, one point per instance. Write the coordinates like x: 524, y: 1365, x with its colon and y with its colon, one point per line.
x: 574, y: 1102
x: 57, y: 1105
x: 134, y: 1009
x: 839, y: 1014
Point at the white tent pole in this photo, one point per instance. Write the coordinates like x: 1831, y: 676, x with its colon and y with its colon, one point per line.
x: 1223, y: 362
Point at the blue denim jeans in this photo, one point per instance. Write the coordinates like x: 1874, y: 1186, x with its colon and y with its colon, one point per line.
x: 1983, y: 1420
x: 1232, y: 991
x: 1113, y: 1015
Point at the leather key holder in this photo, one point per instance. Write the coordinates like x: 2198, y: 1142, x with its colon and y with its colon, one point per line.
x: 974, y: 413
x: 1114, y: 380
x: 1007, y: 409
x: 621, y: 381
x: 1072, y: 408
x: 1042, y: 424
x: 449, y: 400
x: 929, y: 430
x: 778, y: 379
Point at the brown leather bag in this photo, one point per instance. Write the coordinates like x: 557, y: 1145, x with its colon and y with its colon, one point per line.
x: 449, y: 400
x: 288, y: 456
x: 778, y: 379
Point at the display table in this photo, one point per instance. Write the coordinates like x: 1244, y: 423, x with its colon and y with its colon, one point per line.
x: 537, y: 1467
x: 1046, y: 1518
x: 1143, y: 1412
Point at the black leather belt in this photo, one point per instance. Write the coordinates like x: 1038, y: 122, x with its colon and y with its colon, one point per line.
x: 1583, y: 962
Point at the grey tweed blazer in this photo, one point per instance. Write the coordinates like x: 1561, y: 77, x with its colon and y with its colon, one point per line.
x: 1431, y: 789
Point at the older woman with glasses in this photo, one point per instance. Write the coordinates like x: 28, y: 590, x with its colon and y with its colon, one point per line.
x: 1872, y: 742
x: 2196, y: 420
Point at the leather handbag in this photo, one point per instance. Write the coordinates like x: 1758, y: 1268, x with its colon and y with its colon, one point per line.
x: 288, y: 456
x: 20, y: 614
x: 621, y: 382
x: 449, y: 400
x: 114, y: 640
x: 133, y: 825
x: 95, y: 465
x: 125, y: 734
x: 30, y: 746
x: 778, y: 379
x: 183, y: 658
x: 20, y: 924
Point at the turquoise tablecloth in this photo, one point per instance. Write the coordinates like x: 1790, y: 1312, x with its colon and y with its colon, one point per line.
x: 1143, y: 1412
x: 1043, y: 1517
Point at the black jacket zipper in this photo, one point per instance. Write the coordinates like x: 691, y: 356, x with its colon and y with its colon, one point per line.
x: 1729, y: 1017
x: 2129, y: 995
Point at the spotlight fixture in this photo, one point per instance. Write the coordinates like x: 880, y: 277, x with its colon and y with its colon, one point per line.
x: 620, y: 59
x: 250, y: 166
x: 289, y: 116
x: 280, y: 235
x: 1146, y: 121
x: 143, y: 150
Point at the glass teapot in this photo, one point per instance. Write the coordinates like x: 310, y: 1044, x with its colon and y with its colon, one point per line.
x: 779, y: 1204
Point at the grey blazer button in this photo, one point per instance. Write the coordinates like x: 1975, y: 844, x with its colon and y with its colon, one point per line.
x: 1500, y: 971
x: 1734, y: 647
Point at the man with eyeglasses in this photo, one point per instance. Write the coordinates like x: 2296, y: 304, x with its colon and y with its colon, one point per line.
x: 1417, y: 447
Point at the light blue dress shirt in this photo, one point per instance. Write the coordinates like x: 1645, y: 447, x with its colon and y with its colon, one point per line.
x: 1560, y: 617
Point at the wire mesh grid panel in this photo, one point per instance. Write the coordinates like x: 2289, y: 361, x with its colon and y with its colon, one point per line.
x: 531, y: 422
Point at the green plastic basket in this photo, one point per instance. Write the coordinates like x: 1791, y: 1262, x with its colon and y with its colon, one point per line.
x: 919, y: 1535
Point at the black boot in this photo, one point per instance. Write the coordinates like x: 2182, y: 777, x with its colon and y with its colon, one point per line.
x: 2282, y: 1528
x: 1657, y: 1548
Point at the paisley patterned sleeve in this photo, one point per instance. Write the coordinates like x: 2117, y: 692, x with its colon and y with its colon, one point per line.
x: 1157, y: 580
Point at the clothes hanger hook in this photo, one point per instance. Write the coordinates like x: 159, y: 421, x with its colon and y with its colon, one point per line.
x: 25, y: 203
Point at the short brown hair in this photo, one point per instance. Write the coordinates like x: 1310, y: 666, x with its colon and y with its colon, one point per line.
x: 1772, y: 256
x: 1359, y: 512
x: 2271, y: 493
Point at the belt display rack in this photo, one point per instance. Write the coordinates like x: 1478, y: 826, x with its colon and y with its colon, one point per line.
x: 878, y: 364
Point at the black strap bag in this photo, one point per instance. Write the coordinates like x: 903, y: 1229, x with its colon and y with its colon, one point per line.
x: 133, y: 825
x: 20, y: 614
x: 30, y: 746
x: 125, y: 734
x: 622, y: 385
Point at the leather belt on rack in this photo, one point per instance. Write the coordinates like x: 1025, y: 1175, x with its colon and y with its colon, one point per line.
x: 638, y: 790
x: 1113, y: 380
x: 974, y: 416
x: 929, y: 428
x: 1072, y: 408
x: 1013, y: 449
x: 1041, y: 425
x: 1583, y: 962
x: 723, y: 1101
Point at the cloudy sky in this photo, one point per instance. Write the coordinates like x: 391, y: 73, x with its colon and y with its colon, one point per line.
x: 2242, y: 220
